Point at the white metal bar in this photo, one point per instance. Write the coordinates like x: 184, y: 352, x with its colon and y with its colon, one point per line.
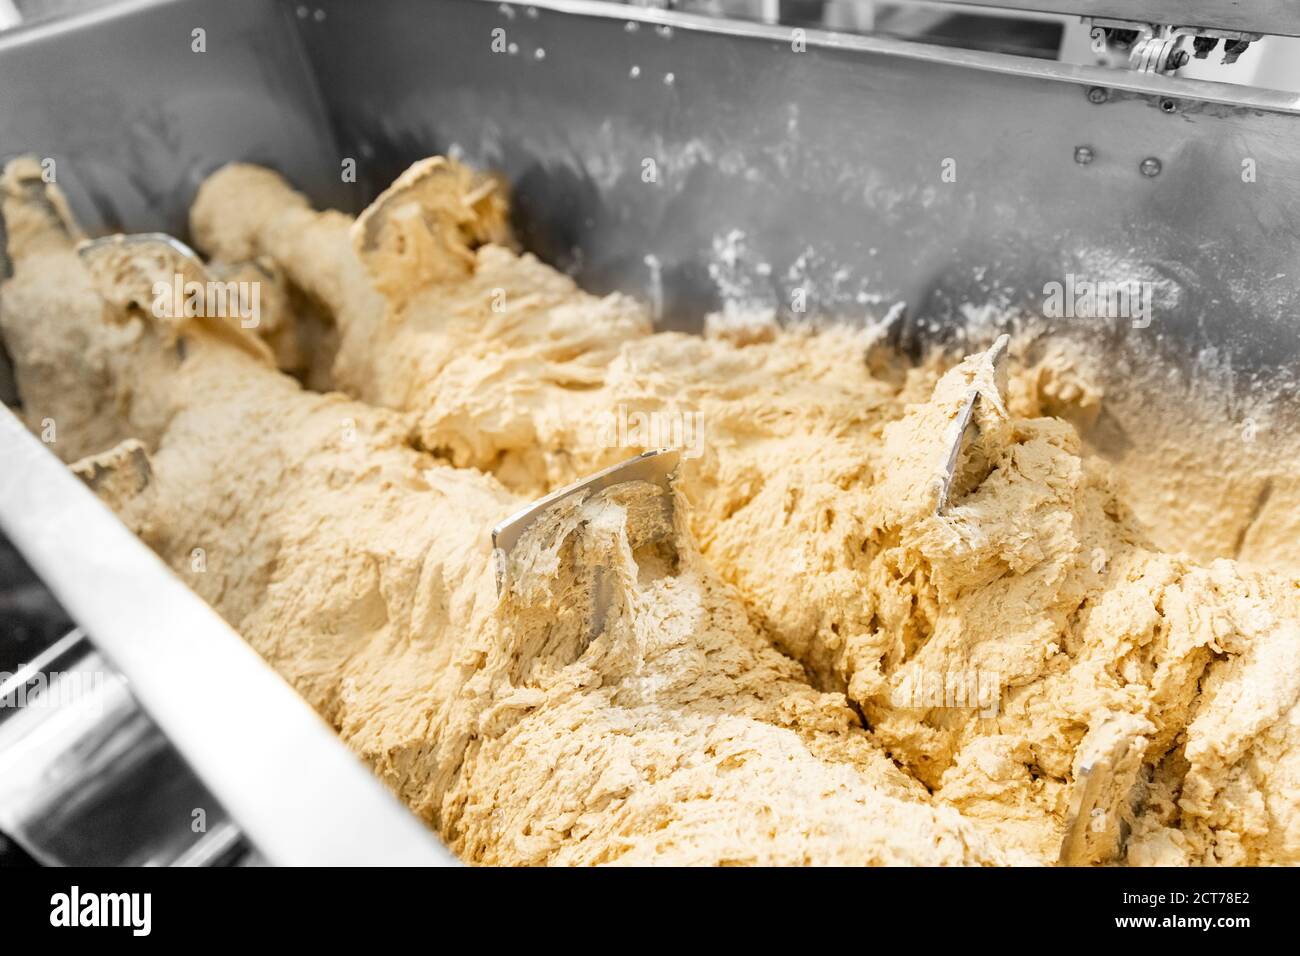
x: 295, y: 790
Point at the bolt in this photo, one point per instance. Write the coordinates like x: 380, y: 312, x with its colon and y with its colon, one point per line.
x: 1083, y: 155
x: 1169, y: 106
x: 1098, y: 94
x: 1150, y: 166
x: 1178, y: 59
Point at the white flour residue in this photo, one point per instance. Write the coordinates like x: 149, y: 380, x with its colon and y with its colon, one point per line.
x: 743, y: 282
x: 828, y: 286
x: 813, y: 290
x: 655, y: 287
x: 1104, y: 265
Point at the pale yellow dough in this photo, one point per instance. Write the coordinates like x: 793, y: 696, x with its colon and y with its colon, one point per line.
x: 360, y: 568
x: 347, y: 540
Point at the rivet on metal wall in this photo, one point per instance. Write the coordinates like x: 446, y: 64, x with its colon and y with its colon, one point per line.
x: 1083, y: 155
x: 1098, y: 94
x: 1150, y: 166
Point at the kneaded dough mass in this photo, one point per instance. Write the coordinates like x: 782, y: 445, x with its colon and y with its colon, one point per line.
x: 800, y: 661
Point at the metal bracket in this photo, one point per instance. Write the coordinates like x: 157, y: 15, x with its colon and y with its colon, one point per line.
x: 1157, y: 49
x: 1262, y: 17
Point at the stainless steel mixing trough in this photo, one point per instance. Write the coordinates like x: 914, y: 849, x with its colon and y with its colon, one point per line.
x: 784, y: 166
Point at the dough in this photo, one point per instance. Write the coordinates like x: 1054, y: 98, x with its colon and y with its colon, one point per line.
x: 993, y: 652
x: 360, y: 568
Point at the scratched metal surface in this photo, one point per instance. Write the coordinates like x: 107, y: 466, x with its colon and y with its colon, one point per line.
x: 134, y: 118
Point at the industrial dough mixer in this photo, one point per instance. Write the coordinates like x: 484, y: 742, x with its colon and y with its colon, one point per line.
x: 706, y: 166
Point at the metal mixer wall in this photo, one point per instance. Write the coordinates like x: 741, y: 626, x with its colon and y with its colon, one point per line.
x: 698, y: 162
x: 777, y: 171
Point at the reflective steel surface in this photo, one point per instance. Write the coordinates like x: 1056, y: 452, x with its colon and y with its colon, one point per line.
x: 702, y: 163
